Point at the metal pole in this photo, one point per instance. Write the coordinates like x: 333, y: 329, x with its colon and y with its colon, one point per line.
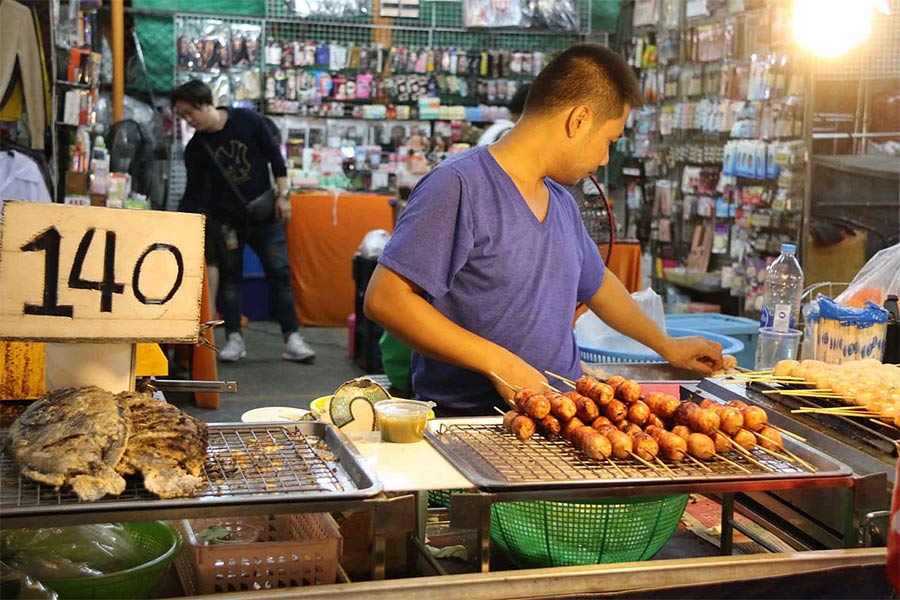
x: 808, y: 113
x: 118, y: 53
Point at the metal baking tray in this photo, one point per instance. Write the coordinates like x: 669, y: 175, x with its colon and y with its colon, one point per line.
x: 262, y: 463
x: 495, y: 461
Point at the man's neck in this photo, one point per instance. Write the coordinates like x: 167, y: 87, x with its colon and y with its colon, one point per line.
x: 526, y: 154
x: 221, y: 119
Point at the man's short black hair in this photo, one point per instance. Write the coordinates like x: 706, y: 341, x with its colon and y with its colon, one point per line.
x: 517, y: 104
x: 586, y: 74
x: 194, y: 92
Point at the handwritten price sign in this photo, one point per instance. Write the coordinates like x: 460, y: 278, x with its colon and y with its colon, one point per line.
x: 75, y: 273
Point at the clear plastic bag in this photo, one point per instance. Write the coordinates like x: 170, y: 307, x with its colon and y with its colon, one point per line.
x: 373, y: 243
x: 54, y: 553
x: 879, y: 278
x: 591, y: 331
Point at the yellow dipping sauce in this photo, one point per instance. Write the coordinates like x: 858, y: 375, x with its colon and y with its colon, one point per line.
x: 402, y: 421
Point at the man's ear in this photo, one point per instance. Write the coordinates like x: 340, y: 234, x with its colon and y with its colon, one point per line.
x: 578, y: 120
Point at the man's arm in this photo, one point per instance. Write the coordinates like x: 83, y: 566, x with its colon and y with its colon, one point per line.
x: 617, y: 308
x: 398, y: 305
x: 272, y: 152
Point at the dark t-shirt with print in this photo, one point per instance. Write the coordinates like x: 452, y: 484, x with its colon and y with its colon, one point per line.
x: 245, y: 148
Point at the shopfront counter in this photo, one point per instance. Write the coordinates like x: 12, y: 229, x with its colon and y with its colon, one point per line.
x: 323, y: 234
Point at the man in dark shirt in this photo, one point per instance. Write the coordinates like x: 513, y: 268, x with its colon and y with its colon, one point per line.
x: 238, y: 140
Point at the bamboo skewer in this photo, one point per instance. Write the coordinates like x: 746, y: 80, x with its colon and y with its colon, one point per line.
x: 697, y: 462
x: 732, y: 463
x: 883, y: 423
x: 509, y: 401
x: 617, y: 467
x: 800, y: 460
x: 665, y: 466
x: 499, y: 411
x: 644, y: 462
x: 565, y: 380
x: 749, y: 456
x: 788, y: 433
x: 550, y: 387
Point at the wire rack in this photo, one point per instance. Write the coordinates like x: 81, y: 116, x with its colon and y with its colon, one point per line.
x: 242, y: 462
x: 491, y: 457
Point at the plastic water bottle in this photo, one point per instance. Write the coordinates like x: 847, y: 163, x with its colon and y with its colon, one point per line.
x: 783, y: 290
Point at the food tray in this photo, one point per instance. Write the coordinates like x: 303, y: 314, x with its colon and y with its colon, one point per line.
x: 246, y: 465
x: 495, y: 461
x: 290, y: 550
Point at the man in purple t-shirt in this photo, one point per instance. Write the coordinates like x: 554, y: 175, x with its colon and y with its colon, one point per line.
x: 490, y: 256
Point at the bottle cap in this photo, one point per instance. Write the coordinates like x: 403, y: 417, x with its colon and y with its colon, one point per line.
x: 788, y: 249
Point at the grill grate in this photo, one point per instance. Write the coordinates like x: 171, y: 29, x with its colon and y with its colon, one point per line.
x: 242, y: 462
x: 489, y: 447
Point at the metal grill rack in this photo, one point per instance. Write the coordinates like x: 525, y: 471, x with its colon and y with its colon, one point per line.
x: 496, y: 461
x: 245, y: 465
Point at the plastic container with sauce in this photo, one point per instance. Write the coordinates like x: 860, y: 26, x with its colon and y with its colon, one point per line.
x: 402, y: 421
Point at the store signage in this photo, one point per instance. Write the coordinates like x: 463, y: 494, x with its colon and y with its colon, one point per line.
x: 80, y: 273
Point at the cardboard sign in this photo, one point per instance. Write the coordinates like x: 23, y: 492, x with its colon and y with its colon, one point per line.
x: 78, y: 273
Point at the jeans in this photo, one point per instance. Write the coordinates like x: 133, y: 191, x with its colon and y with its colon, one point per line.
x: 270, y: 244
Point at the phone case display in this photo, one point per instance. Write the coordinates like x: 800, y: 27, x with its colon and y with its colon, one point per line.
x: 492, y: 13
x: 308, y: 77
x: 222, y: 54
x: 555, y: 15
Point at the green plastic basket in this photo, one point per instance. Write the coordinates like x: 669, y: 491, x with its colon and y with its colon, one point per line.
x: 586, y: 532
x: 156, y: 541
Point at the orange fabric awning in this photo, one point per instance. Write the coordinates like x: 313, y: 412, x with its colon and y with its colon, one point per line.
x: 323, y: 234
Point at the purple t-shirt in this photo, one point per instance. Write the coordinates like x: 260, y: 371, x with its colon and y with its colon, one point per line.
x: 468, y: 238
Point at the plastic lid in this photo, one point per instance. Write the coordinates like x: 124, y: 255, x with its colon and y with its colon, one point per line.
x: 788, y: 249
x: 403, y: 408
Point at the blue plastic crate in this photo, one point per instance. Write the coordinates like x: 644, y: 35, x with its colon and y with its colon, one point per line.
x: 730, y: 345
x: 741, y: 328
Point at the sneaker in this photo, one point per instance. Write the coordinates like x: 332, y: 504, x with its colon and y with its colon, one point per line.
x: 234, y: 349
x: 297, y: 349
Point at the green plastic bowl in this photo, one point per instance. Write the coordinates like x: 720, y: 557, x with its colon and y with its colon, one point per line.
x: 156, y: 541
x: 586, y: 532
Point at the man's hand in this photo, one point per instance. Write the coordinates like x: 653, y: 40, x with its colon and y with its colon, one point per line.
x: 694, y: 353
x: 283, y: 208
x: 515, y: 371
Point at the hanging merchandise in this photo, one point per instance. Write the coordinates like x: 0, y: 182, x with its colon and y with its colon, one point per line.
x: 492, y: 13
x: 330, y: 8
x: 20, y: 46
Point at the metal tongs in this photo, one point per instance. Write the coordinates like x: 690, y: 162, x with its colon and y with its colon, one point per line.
x: 152, y: 384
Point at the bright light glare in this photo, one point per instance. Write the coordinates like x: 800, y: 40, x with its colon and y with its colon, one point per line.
x: 830, y: 28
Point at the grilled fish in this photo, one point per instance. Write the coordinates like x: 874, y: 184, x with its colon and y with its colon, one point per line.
x: 73, y: 436
x: 167, y: 446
